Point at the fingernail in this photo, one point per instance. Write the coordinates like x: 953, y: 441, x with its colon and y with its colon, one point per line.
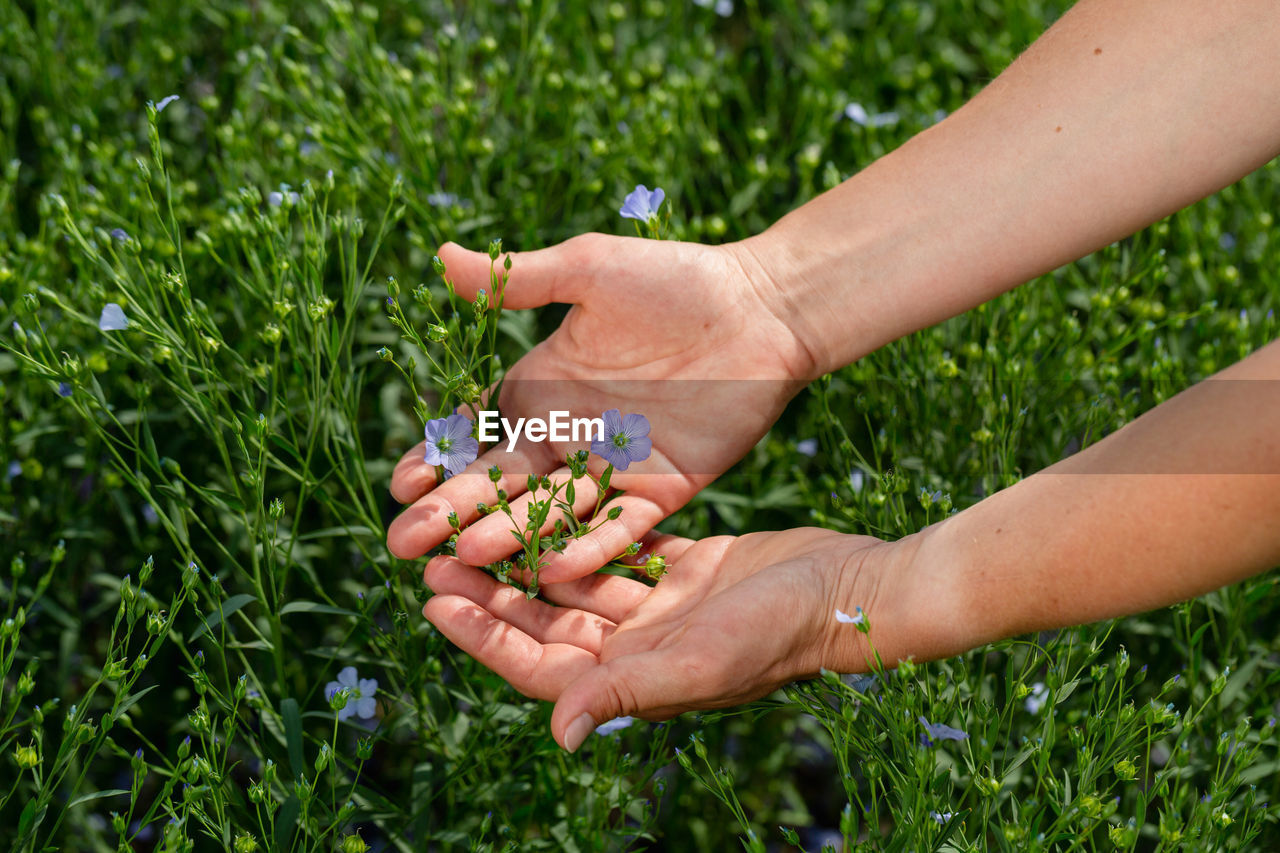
x: 577, y: 732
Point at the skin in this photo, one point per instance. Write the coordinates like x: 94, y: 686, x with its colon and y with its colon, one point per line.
x: 1123, y: 112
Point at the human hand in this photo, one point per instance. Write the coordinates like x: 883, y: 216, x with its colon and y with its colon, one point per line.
x: 691, y: 336
x: 733, y: 619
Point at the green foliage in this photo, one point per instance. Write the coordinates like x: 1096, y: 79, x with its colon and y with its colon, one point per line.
x: 242, y: 430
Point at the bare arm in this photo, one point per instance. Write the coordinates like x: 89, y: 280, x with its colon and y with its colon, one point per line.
x: 1183, y: 500
x: 1122, y: 113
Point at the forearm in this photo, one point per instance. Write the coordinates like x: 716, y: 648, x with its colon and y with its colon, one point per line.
x: 1123, y: 112
x: 1181, y: 501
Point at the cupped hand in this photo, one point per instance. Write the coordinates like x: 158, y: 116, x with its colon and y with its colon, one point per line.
x: 690, y: 336
x: 733, y: 619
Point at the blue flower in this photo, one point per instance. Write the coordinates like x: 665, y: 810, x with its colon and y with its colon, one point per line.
x: 642, y: 204
x: 941, y: 817
x: 113, y: 319
x: 884, y: 119
x: 939, y: 731
x: 64, y: 389
x: 1039, y: 693
x: 164, y: 102
x: 449, y: 443
x: 120, y: 234
x: 14, y: 470
x: 615, y: 725
x: 857, y: 114
x: 845, y: 619
x: 361, y: 701
x: 856, y: 480
x: 807, y: 447
x: 626, y: 439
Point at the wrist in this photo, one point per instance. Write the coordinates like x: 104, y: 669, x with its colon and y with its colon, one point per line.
x: 776, y: 275
x: 912, y: 597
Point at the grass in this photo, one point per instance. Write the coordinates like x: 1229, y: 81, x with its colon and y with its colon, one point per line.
x: 194, y: 536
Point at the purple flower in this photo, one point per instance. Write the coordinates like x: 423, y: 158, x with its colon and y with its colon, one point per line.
x: 940, y: 731
x: 941, y: 817
x: 617, y: 724
x: 626, y: 439
x: 120, y: 234
x: 449, y: 443
x: 164, y: 102
x: 64, y: 389
x: 642, y: 204
x: 113, y: 319
x: 807, y: 447
x: 362, y: 701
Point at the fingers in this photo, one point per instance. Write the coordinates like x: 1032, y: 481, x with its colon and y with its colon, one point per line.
x: 607, y: 541
x: 536, y: 670
x: 609, y: 596
x: 538, y: 277
x: 654, y: 684
x: 412, y: 477
x: 425, y: 524
x: 490, y: 538
x: 540, y: 621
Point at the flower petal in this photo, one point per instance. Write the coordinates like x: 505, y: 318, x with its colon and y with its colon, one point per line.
x: 635, y: 426
x: 366, y: 708
x: 617, y: 724
x: 638, y: 449
x: 348, y: 676
x: 113, y: 318
x: 368, y: 686
x: 457, y: 427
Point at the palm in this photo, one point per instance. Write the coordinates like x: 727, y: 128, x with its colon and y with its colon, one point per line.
x: 673, y: 331
x: 711, y: 633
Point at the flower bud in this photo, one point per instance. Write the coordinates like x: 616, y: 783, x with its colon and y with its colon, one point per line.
x: 364, y: 748
x: 384, y: 354
x: 437, y: 333
x: 276, y: 509
x: 495, y: 248
x: 242, y: 686
x: 184, y: 748
x: 245, y: 843
x: 324, y: 759
x: 353, y: 844
x: 27, y: 757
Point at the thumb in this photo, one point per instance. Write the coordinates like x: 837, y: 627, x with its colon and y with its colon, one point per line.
x: 650, y: 684
x: 538, y: 277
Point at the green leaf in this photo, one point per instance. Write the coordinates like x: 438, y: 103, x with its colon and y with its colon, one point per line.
x: 97, y: 795
x: 221, y: 499
x: 315, y: 607
x: 286, y: 821
x: 293, y: 735
x: 131, y: 701
x: 216, y: 618
x: 29, y: 819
